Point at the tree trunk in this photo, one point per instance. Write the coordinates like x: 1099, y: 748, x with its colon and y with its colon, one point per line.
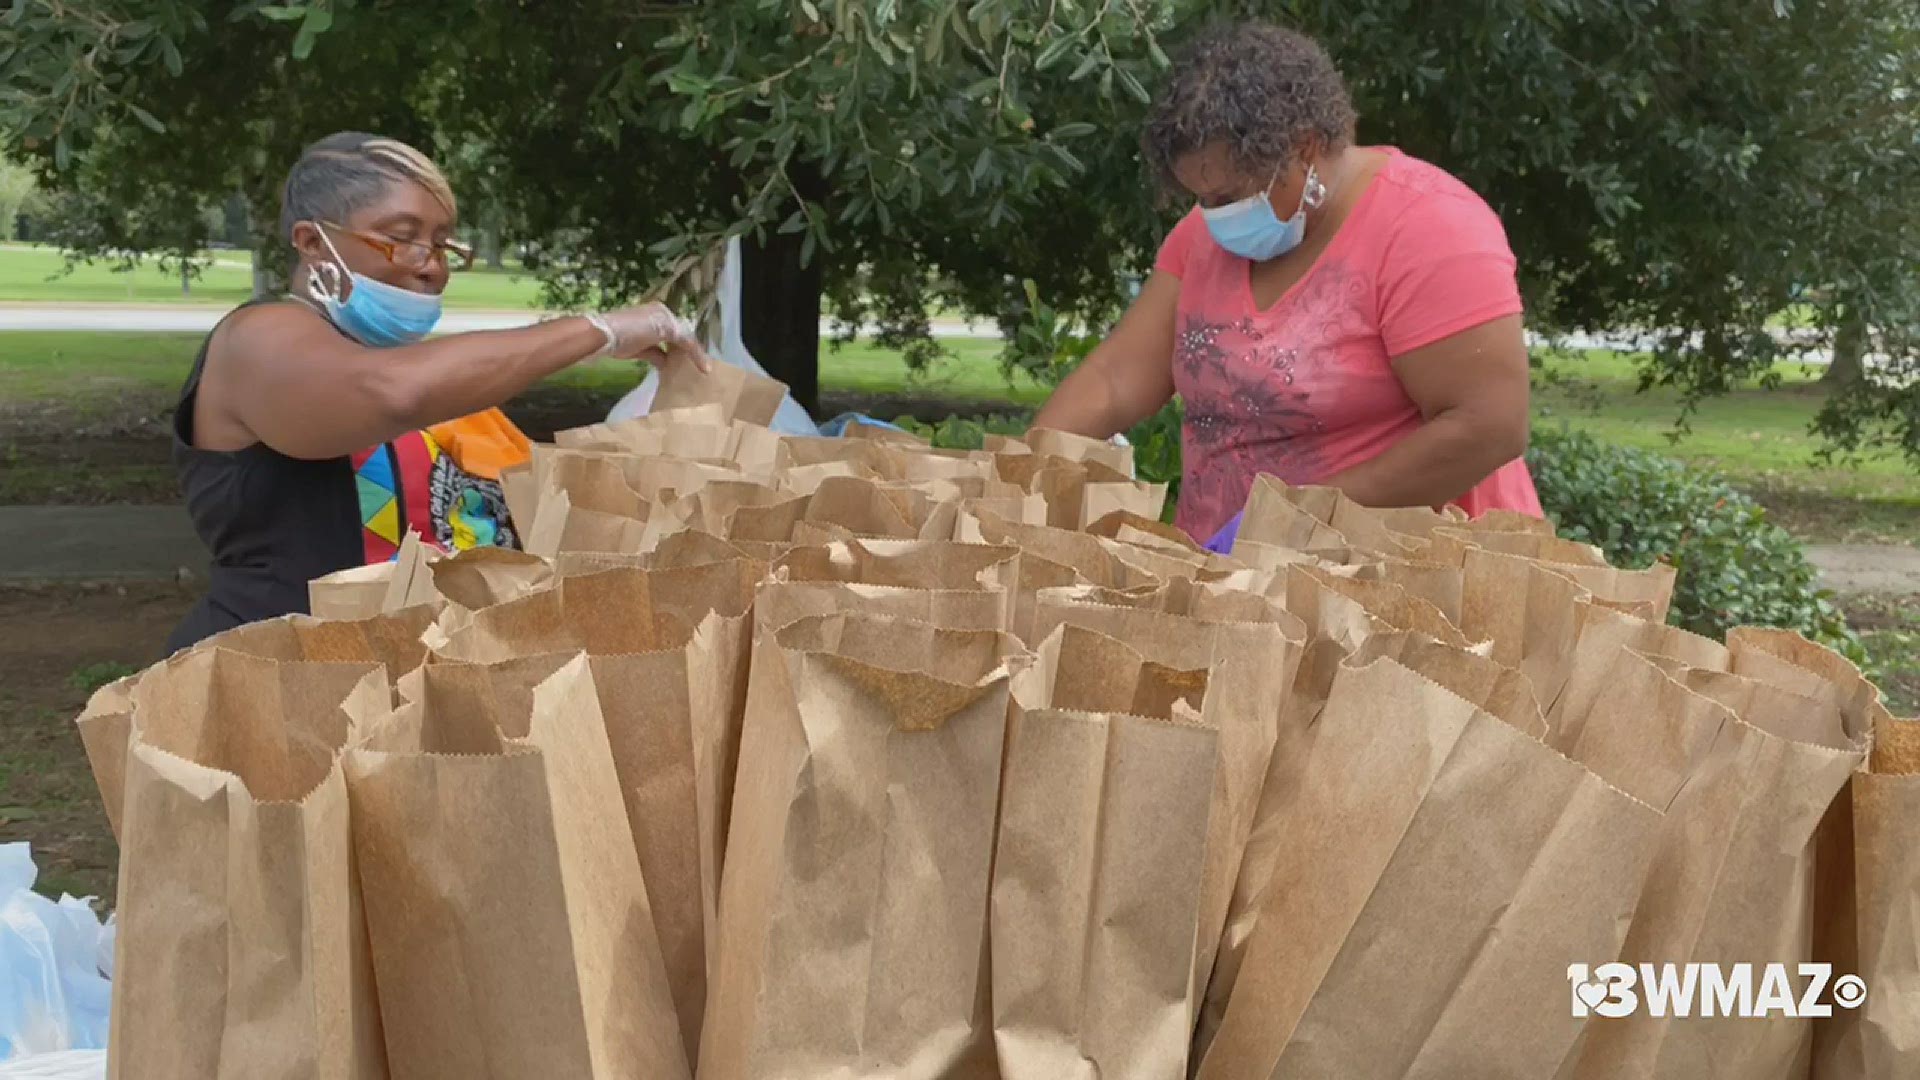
x: 269, y: 271
x: 780, y: 312
x: 270, y: 263
x: 1849, y: 353
x: 491, y: 252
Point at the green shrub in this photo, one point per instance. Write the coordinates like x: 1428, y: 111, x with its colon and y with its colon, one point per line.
x: 967, y: 432
x: 1156, y: 441
x: 1734, y: 567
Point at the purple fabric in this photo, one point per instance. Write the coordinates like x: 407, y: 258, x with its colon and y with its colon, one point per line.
x: 1222, y: 542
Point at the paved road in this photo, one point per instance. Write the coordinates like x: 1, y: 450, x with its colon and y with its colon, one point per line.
x: 98, y: 543
x: 1860, y: 568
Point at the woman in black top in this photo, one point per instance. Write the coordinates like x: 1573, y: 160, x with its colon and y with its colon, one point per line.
x: 285, y: 393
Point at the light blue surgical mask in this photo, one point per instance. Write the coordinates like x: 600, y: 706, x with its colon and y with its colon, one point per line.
x: 1250, y: 229
x: 373, y: 313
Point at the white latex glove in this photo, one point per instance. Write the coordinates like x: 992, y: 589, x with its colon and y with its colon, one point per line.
x: 645, y: 331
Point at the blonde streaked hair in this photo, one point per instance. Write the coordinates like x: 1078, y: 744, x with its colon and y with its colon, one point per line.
x: 350, y: 169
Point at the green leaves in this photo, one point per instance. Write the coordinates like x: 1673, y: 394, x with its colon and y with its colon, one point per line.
x: 1733, y: 567
x: 318, y: 20
x: 147, y: 119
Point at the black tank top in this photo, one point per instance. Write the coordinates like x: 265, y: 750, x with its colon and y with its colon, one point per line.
x: 272, y: 522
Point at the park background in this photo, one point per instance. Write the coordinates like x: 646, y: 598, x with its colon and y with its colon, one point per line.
x: 941, y: 204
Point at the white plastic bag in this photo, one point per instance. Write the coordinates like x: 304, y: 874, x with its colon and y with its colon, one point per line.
x: 53, y: 995
x: 728, y: 347
x: 60, y: 1065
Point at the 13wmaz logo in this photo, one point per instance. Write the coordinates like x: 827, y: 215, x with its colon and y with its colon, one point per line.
x: 1686, y: 990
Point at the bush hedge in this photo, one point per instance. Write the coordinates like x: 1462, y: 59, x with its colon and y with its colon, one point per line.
x: 1734, y: 567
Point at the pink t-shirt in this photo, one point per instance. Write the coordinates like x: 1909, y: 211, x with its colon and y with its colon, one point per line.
x: 1306, y: 388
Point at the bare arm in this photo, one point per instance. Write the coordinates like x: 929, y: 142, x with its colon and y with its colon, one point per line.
x: 1129, y: 376
x: 1473, y: 390
x: 293, y: 382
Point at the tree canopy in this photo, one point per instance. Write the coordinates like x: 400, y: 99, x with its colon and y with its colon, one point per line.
x: 1689, y: 167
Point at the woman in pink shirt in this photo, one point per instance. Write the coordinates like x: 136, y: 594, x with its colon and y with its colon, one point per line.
x: 1329, y: 313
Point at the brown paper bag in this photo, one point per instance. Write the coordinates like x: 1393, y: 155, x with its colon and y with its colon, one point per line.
x: 563, y: 527
x: 1869, y: 875
x: 1063, y: 444
x: 1785, y: 659
x: 684, y: 433
x: 1733, y: 876
x: 669, y: 652
x: 879, y: 434
x: 806, y: 479
x: 354, y: 593
x: 1285, y: 517
x: 1498, y: 690
x: 872, y: 746
x: 242, y: 951
x: 1438, y: 584
x: 1583, y: 564
x: 484, y: 576
x: 602, y: 481
x: 391, y: 640
x: 361, y: 592
x: 662, y: 479
x: 959, y: 586
x: 1275, y: 558
x: 458, y: 804
x: 1250, y: 667
x: 1078, y: 493
x: 1145, y: 532
x: 1348, y: 611
x: 1102, y: 825
x: 1573, y: 692
x: 918, y: 464
x: 1013, y: 509
x: 105, y: 725
x: 1103, y: 498
x: 1440, y: 872
x: 521, y: 489
x: 741, y: 394
x: 880, y: 510
x: 1164, y: 563
x: 690, y: 547
x: 1529, y: 610
x: 800, y: 451
x: 1049, y: 558
x: 642, y: 434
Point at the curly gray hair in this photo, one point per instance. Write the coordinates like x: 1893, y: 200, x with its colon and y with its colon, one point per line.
x: 1260, y: 90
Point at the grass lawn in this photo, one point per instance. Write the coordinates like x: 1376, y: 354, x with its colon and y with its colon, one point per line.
x: 90, y: 372
x: 36, y: 275
x: 1758, y: 437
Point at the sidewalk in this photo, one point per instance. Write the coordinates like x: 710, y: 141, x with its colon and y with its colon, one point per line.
x: 98, y: 543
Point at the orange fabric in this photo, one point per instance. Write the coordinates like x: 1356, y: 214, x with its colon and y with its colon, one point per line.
x: 483, y: 443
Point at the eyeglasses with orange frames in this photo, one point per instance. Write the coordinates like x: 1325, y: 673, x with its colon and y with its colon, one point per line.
x: 412, y: 254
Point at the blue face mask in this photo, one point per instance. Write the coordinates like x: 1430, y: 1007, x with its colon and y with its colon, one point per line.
x: 374, y: 313
x: 1250, y: 229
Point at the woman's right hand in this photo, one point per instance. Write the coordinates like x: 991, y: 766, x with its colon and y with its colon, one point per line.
x: 644, y: 331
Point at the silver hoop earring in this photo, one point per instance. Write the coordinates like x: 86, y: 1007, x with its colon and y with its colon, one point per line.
x: 1314, y: 194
